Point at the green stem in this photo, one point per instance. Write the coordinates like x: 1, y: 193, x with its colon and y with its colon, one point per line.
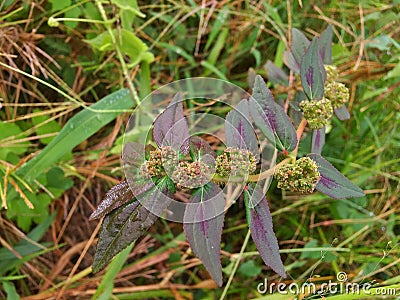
x: 237, y: 262
x: 124, y: 67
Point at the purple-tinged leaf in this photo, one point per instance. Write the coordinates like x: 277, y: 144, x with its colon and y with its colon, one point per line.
x: 203, y: 223
x: 199, y: 147
x: 238, y: 129
x: 261, y: 228
x: 342, y: 113
x: 312, y: 72
x: 299, y: 45
x: 332, y: 182
x: 126, y: 224
x: 325, y: 45
x: 117, y: 196
x: 290, y: 62
x: 171, y: 128
x: 270, y: 117
x: 275, y: 74
x: 318, y: 140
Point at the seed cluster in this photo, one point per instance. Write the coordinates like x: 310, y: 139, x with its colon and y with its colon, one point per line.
x: 191, y: 175
x: 302, y: 176
x: 235, y: 162
x: 159, y: 161
x: 317, y: 113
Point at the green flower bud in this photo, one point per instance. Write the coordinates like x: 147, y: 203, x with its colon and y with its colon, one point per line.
x: 317, y: 113
x: 332, y: 73
x: 159, y: 161
x: 235, y: 162
x: 337, y: 92
x: 302, y: 176
x: 191, y: 175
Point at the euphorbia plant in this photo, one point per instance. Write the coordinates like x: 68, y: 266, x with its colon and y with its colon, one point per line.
x: 188, y: 165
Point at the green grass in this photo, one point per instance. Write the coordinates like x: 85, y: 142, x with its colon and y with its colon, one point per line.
x: 71, y: 170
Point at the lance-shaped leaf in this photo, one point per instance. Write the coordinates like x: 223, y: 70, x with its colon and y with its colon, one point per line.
x: 332, y: 182
x: 275, y: 74
x: 299, y: 45
x: 171, y: 128
x: 203, y: 222
x: 318, y: 140
x: 199, y: 147
x: 262, y: 230
x: 312, y: 72
x: 342, y: 113
x: 325, y: 45
x: 117, y: 196
x: 126, y: 224
x: 270, y: 117
x: 238, y: 129
x: 290, y: 62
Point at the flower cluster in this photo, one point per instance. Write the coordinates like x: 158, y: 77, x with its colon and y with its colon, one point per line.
x: 191, y: 175
x: 160, y: 160
x: 332, y: 73
x: 302, y: 176
x: 335, y: 91
x: 317, y: 113
x: 235, y: 162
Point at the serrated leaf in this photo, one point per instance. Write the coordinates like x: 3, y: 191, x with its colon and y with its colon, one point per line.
x: 312, y: 72
x: 126, y: 224
x: 238, y: 129
x: 117, y: 196
x: 299, y: 45
x: 270, y: 117
x: 171, y: 128
x: 332, y: 182
x: 203, y: 222
x: 261, y: 228
x: 325, y: 45
x: 318, y: 140
x: 275, y: 74
x: 290, y: 62
x: 342, y: 113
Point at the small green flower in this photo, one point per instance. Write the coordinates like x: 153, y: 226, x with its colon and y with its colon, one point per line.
x: 332, y: 73
x: 302, y: 176
x: 160, y: 161
x: 337, y: 92
x: 190, y: 175
x: 235, y: 162
x: 317, y: 113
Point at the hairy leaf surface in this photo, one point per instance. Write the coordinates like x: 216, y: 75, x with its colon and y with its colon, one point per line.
x: 126, y: 224
x: 325, y: 45
x: 270, y: 117
x: 332, y: 182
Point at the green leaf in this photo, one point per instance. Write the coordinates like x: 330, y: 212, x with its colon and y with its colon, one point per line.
x: 332, y: 182
x: 299, y: 45
x: 129, y: 5
x: 312, y: 72
x: 10, y: 290
x: 325, y: 45
x: 249, y: 269
x: 105, y: 289
x: 80, y: 127
x: 270, y: 117
x: 57, y: 5
x: 130, y: 45
x: 48, y: 127
x: 8, y: 131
